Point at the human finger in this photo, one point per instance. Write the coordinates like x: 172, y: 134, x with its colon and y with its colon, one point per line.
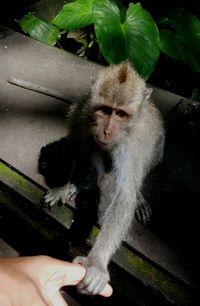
x: 107, y: 291
x: 65, y: 274
x: 56, y: 299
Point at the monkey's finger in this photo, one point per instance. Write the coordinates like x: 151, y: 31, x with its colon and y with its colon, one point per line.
x: 63, y: 199
x: 73, y: 189
x: 51, y: 202
x: 50, y: 199
x: 72, y: 196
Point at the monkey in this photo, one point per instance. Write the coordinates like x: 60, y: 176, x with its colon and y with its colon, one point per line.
x: 121, y: 132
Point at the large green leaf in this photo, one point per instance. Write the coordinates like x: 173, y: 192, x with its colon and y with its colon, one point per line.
x: 184, y: 44
x: 136, y: 39
x: 75, y: 15
x: 39, y: 29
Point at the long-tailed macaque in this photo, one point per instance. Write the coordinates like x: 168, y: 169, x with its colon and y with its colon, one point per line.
x: 120, y: 134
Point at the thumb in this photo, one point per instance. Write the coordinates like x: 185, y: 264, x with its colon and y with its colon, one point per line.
x: 61, y: 274
x: 65, y: 274
x: 73, y: 274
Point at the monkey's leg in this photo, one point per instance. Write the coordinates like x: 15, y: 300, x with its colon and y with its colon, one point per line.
x: 143, y: 210
x: 66, y: 194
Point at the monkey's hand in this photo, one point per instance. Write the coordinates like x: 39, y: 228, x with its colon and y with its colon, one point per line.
x: 66, y: 194
x: 95, y: 278
x: 143, y: 210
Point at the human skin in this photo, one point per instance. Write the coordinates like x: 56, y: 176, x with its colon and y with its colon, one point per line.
x: 36, y: 280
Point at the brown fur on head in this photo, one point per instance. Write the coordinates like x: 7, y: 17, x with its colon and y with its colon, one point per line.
x: 123, y: 74
x: 119, y: 85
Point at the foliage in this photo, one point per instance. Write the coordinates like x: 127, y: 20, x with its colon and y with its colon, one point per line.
x: 75, y: 15
x: 41, y: 30
x: 183, y: 41
x: 135, y: 38
x: 124, y: 33
x: 196, y: 94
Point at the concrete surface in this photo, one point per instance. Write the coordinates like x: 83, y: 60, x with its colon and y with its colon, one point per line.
x: 6, y: 249
x: 29, y: 120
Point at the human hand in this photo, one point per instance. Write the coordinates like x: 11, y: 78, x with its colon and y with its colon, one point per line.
x: 36, y: 280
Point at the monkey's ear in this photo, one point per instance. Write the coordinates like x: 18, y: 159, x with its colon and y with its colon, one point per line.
x: 147, y: 93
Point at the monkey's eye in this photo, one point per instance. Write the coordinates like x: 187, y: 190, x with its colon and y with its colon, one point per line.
x: 121, y: 113
x: 104, y: 109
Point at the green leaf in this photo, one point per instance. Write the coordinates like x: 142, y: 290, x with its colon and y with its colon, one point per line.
x: 39, y: 29
x: 196, y: 94
x: 136, y: 39
x: 184, y: 44
x: 75, y: 15
x: 122, y: 9
x: 163, y: 22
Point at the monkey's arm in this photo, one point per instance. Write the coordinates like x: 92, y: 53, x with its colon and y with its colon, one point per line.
x: 116, y: 222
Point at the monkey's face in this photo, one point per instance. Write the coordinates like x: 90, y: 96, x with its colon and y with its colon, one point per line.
x: 110, y: 124
x: 116, y: 99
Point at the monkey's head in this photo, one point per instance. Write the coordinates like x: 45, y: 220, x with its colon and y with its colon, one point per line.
x: 116, y: 98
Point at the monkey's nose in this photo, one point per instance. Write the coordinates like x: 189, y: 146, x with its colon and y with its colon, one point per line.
x: 107, y: 132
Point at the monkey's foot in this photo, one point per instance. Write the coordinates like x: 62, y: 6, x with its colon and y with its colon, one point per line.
x: 143, y: 212
x: 95, y: 278
x: 66, y: 194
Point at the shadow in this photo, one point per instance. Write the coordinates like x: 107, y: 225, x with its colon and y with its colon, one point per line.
x: 173, y: 188
x: 63, y: 161
x: 13, y: 10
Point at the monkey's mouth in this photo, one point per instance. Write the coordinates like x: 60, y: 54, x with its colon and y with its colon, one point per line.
x: 104, y: 143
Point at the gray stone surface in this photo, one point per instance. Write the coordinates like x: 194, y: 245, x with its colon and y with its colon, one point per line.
x: 6, y: 249
x: 29, y: 120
